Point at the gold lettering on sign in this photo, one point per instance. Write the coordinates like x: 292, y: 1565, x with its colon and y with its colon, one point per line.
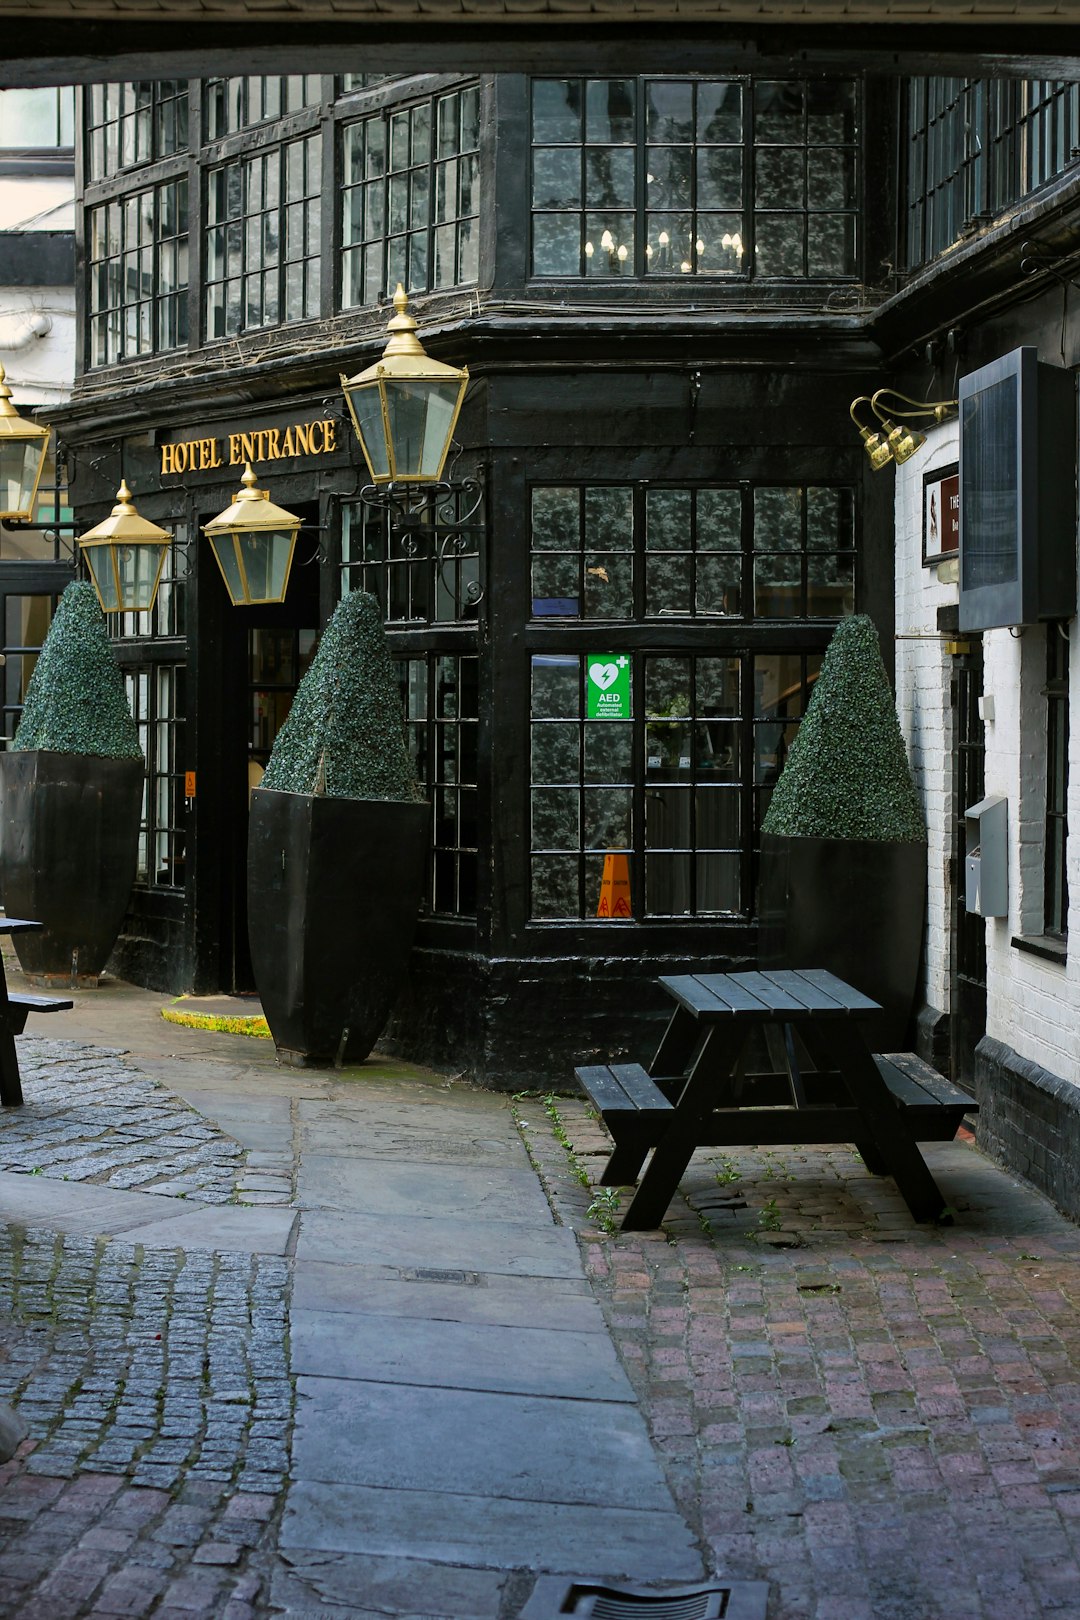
x: 318, y: 438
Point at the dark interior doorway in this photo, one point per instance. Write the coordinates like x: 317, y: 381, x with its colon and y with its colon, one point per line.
x: 265, y: 651
x: 967, y: 1022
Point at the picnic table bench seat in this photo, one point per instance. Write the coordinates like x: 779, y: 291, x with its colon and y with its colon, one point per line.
x: 634, y: 1106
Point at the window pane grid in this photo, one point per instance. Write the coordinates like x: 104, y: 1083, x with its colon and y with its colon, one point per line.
x: 130, y: 124
x: 668, y: 801
x: 262, y: 239
x: 157, y: 697
x: 654, y: 552
x: 419, y: 574
x: 138, y: 291
x: 237, y: 103
x: 410, y: 198
x: 1057, y: 781
x: 440, y: 693
x: 671, y: 177
x: 975, y: 148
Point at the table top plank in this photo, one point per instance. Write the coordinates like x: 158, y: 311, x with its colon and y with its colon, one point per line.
x: 18, y: 925
x: 778, y: 994
x: 853, y: 1001
x: 713, y: 996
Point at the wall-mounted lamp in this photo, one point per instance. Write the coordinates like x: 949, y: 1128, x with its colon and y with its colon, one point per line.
x: 253, y: 541
x: 899, y: 443
x: 125, y: 556
x: 405, y: 407
x: 23, y: 446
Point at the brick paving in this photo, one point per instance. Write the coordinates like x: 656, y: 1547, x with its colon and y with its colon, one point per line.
x: 881, y: 1419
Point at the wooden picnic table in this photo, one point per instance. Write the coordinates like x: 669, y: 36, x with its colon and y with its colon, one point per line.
x: 14, y: 1011
x: 699, y: 1092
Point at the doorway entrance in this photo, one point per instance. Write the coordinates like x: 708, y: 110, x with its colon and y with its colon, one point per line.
x: 967, y: 1022
x: 263, y: 652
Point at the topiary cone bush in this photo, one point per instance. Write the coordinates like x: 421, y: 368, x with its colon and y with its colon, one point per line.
x: 72, y: 786
x: 336, y: 850
x: 843, y: 848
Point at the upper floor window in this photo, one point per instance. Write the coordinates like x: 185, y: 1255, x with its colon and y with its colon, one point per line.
x: 709, y: 177
x: 410, y: 198
x: 975, y: 147
x: 37, y: 120
x: 233, y: 104
x: 262, y: 238
x: 138, y: 273
x: 131, y: 124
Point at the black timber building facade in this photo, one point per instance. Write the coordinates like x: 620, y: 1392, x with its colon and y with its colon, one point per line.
x: 667, y: 290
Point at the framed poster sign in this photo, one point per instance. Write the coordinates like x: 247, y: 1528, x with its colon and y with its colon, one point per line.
x: 941, y: 514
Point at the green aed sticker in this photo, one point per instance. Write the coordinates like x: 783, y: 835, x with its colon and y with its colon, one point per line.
x: 607, y: 678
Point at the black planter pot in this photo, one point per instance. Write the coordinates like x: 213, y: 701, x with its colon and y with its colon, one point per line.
x: 334, y: 890
x: 69, y: 843
x: 854, y: 906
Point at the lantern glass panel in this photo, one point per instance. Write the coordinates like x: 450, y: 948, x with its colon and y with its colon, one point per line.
x: 99, y: 562
x: 265, y: 555
x: 367, y: 408
x: 421, y: 416
x: 20, y: 460
x: 229, y: 563
x: 138, y: 568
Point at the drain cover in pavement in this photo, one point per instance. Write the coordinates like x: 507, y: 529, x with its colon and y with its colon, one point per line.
x: 599, y: 1600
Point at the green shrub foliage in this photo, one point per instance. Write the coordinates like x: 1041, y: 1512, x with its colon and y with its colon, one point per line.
x: 847, y: 774
x: 345, y: 733
x: 75, y: 702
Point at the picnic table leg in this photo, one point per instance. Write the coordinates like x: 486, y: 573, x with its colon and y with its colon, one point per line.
x: 893, y: 1145
x: 10, y: 1084
x: 675, y: 1148
x: 677, y: 1045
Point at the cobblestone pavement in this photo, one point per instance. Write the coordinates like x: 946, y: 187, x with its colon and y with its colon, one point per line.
x: 155, y: 1383
x: 88, y: 1116
x: 881, y: 1419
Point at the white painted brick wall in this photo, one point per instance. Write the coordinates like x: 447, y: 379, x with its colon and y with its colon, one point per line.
x: 1033, y: 1005
x: 923, y: 676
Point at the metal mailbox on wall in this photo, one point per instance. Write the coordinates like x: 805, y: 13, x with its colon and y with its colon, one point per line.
x: 986, y: 861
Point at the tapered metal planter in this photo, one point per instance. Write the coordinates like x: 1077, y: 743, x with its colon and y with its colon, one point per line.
x: 69, y: 843
x: 855, y: 906
x: 334, y: 890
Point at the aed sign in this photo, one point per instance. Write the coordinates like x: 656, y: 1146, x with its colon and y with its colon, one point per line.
x: 607, y: 682
x: 315, y: 438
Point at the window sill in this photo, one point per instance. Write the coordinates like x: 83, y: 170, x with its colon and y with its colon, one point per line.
x: 1048, y: 946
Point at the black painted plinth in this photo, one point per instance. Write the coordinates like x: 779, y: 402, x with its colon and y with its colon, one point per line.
x: 854, y: 906
x: 333, y: 893
x: 1029, y: 1121
x: 69, y: 840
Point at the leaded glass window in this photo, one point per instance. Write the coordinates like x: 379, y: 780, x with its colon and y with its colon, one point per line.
x: 410, y: 198
x: 262, y: 239
x: 685, y: 176
x: 138, y: 293
x: 667, y: 796
x: 131, y: 124
x: 156, y: 693
x: 975, y: 147
x: 440, y: 692
x: 626, y: 551
x: 237, y: 103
